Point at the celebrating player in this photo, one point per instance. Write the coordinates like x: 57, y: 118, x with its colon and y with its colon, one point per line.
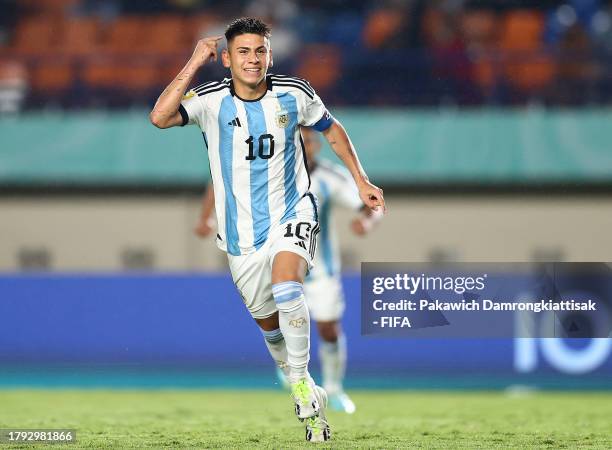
x: 323, y: 289
x: 268, y: 219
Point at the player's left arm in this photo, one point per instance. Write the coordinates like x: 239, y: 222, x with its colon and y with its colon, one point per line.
x: 339, y: 141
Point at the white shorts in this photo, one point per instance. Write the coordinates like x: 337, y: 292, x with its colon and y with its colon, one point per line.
x: 252, y: 273
x: 325, y: 298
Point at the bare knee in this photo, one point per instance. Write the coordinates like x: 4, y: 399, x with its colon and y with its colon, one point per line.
x: 288, y: 266
x: 329, y: 331
x: 269, y: 323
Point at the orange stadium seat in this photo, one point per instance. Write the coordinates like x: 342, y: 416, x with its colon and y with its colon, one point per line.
x: 522, y: 30
x: 99, y: 73
x: 53, y: 77
x: 527, y: 66
x: 126, y: 35
x: 381, y: 25
x: 121, y: 75
x: 320, y: 64
x: 479, y: 30
x: 131, y: 50
x: 139, y: 77
x: 80, y: 36
x: 36, y: 35
x: 166, y: 34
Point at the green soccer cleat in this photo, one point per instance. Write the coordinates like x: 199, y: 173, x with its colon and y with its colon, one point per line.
x: 306, y: 402
x: 317, y: 428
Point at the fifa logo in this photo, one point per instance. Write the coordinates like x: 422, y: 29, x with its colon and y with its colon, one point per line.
x: 297, y: 323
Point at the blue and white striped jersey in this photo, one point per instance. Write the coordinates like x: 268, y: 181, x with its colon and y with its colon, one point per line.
x: 333, y: 186
x: 257, y: 160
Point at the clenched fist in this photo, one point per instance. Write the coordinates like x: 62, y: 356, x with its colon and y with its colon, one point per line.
x: 206, y: 50
x: 372, y: 196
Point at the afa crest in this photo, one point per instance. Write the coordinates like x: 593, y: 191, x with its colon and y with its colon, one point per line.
x: 282, y: 119
x: 298, y: 323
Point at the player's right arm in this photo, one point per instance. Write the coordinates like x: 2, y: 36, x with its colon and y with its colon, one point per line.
x: 165, y: 113
x: 339, y: 141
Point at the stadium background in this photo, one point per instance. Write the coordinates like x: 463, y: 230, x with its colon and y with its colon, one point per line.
x: 486, y: 122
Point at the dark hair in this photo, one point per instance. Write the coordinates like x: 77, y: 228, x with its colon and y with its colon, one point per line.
x: 246, y: 25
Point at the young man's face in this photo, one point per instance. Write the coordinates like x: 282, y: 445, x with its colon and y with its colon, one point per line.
x: 248, y: 57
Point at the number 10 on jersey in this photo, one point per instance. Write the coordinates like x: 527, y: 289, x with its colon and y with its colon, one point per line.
x: 261, y: 151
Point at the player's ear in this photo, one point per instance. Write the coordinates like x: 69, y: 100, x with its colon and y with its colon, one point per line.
x: 271, y: 61
x: 225, y: 58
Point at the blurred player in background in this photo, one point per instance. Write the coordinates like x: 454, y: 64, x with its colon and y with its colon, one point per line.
x: 268, y: 219
x: 332, y: 186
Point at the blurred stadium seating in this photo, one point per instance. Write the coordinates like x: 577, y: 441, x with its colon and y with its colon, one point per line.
x: 469, y: 53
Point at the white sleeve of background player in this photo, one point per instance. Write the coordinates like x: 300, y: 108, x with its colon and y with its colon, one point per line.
x: 192, y: 109
x: 345, y: 192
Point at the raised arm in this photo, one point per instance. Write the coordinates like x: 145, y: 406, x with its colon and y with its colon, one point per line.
x: 370, y: 195
x: 165, y: 113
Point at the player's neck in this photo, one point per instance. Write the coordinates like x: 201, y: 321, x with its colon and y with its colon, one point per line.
x: 247, y: 92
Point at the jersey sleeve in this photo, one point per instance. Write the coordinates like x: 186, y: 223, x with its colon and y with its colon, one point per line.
x: 192, y: 109
x: 345, y: 192
x: 314, y: 113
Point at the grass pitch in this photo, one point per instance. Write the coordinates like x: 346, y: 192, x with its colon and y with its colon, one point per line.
x: 264, y: 419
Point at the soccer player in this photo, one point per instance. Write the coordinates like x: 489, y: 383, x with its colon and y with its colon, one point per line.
x: 323, y: 289
x: 267, y: 218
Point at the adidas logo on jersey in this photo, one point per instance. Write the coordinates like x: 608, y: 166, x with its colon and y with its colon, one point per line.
x: 235, y: 122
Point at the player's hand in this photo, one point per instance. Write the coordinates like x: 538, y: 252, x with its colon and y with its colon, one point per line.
x: 372, y: 196
x: 204, y: 228
x: 359, y: 227
x: 206, y: 50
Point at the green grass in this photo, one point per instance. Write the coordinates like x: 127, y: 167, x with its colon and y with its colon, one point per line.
x: 264, y: 419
